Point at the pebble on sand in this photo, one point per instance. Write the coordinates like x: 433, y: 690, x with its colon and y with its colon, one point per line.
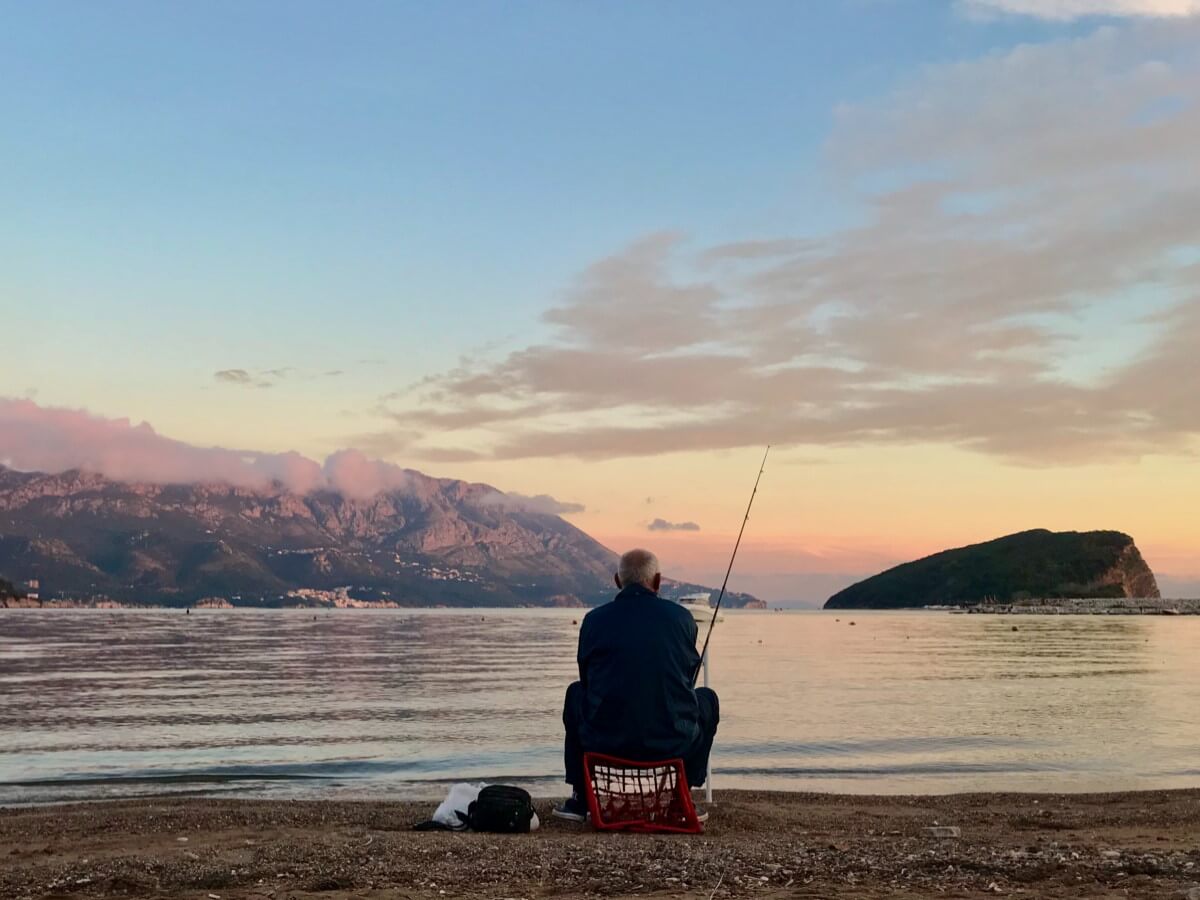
x: 943, y: 831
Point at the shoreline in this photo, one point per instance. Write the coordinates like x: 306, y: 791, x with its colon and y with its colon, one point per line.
x: 1165, y: 607
x: 1152, y: 606
x: 1142, y: 844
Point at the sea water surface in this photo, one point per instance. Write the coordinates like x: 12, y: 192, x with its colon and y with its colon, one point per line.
x: 357, y: 703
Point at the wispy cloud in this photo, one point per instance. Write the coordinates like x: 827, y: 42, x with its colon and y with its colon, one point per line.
x: 1039, y: 205
x: 664, y: 525
x: 541, y: 504
x: 265, y: 378
x: 1066, y: 10
x: 242, y: 378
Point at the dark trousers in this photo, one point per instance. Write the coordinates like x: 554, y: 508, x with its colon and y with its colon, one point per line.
x: 695, y: 761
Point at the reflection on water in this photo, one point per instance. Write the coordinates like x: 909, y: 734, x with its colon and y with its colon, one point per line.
x: 96, y: 703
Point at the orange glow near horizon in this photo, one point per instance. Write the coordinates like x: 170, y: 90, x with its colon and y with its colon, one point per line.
x: 822, y: 515
x: 855, y: 511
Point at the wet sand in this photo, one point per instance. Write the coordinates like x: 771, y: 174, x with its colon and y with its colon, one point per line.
x: 765, y: 845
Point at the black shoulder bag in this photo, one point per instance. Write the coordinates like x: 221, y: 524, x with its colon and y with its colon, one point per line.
x: 502, y: 808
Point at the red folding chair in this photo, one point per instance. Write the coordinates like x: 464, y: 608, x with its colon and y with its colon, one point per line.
x: 623, y: 795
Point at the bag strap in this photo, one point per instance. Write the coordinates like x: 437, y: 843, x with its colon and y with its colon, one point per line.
x: 431, y: 825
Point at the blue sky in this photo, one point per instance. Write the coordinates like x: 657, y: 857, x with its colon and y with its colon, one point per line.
x: 941, y: 254
x: 232, y: 170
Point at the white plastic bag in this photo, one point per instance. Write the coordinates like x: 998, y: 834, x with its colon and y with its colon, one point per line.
x: 459, y: 799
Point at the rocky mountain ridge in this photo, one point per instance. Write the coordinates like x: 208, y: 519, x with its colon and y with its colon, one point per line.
x: 434, y: 542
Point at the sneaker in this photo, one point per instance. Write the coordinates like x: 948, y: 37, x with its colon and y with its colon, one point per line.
x: 701, y: 814
x: 573, y: 809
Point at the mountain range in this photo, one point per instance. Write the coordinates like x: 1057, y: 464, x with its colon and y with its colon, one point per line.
x: 435, y: 542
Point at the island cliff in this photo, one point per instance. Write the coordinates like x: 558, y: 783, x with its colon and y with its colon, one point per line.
x: 1031, y: 564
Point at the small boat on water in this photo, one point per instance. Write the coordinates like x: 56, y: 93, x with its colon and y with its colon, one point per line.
x: 699, y: 605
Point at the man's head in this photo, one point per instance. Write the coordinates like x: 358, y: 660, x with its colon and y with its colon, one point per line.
x: 639, y: 567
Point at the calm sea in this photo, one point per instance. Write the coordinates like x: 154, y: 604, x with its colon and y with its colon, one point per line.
x: 398, y: 704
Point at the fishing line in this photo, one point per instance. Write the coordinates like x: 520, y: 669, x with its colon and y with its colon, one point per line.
x: 724, y: 584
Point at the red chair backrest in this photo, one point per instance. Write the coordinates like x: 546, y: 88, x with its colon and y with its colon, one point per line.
x: 624, y: 795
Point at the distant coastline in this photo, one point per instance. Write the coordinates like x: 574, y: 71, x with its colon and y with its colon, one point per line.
x: 221, y: 603
x: 1085, y: 606
x: 1049, y: 607
x: 315, y: 600
x: 1091, y: 606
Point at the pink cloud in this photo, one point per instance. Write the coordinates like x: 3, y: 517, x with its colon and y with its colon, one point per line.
x: 36, y: 438
x: 45, y: 439
x: 542, y: 504
x: 352, y: 473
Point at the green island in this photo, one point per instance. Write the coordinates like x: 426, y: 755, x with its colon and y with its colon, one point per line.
x: 1030, y: 565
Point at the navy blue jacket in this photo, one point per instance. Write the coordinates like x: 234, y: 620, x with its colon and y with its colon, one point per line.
x: 637, y: 656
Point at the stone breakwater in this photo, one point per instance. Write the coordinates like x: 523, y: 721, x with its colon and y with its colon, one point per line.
x: 97, y: 603
x: 1125, y: 606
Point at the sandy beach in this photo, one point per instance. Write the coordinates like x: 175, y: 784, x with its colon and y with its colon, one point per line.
x: 757, y: 844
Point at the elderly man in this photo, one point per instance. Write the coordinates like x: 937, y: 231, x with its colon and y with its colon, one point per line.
x: 635, y: 696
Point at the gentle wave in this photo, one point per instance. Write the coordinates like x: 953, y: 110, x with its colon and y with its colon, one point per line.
x: 358, y: 703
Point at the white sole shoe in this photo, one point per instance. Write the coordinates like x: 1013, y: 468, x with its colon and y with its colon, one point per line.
x: 561, y: 812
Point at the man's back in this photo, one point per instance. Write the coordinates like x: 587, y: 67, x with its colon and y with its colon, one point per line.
x: 637, y: 656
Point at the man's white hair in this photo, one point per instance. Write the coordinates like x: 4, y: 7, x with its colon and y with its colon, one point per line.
x: 638, y: 567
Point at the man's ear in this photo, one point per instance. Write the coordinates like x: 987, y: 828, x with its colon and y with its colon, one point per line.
x: 657, y: 582
x: 617, y: 579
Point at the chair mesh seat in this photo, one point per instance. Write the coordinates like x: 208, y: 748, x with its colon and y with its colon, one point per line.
x: 623, y: 795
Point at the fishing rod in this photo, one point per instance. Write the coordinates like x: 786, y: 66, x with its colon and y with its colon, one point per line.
x: 721, y: 596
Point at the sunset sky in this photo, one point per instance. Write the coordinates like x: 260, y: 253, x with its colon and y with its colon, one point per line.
x: 944, y: 256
